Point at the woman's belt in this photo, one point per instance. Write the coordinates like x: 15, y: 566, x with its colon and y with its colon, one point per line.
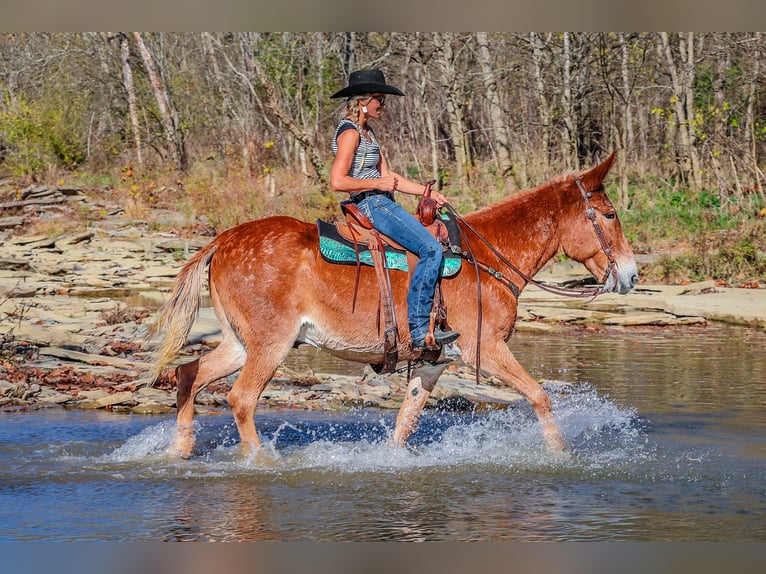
x: 362, y: 195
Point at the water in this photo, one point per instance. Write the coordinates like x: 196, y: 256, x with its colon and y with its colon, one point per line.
x: 667, y: 431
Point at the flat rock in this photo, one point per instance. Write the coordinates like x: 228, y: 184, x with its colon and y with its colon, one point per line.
x: 115, y: 399
x: 86, y: 358
x: 151, y: 409
x: 656, y: 319
x: 53, y: 396
x: 450, y: 386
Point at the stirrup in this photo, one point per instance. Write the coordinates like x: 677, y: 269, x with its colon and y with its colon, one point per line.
x: 435, y: 340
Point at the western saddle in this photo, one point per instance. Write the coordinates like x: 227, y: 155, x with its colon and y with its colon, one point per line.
x: 359, y: 230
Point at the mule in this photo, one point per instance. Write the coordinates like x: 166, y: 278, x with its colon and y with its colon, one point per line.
x: 271, y: 290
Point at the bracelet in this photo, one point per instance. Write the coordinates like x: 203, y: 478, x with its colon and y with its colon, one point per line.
x: 396, y: 184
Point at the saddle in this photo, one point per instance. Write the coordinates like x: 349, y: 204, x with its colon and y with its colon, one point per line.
x: 367, y: 246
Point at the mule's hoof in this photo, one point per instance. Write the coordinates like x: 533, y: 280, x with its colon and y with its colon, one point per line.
x: 183, y: 443
x: 556, y: 445
x: 561, y: 455
x: 181, y: 449
x: 260, y: 457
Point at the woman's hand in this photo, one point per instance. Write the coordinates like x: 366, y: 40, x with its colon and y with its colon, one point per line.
x: 388, y: 183
x: 438, y: 197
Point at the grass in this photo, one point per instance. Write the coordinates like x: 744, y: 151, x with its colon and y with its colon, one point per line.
x: 698, y: 236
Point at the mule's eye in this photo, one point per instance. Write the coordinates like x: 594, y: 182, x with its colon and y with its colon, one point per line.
x: 610, y: 216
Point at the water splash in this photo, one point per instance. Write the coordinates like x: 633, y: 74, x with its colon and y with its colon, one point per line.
x: 601, y: 435
x: 151, y: 443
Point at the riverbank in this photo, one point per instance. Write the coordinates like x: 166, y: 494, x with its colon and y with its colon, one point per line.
x: 74, y: 311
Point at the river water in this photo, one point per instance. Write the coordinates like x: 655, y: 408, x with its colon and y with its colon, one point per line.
x: 667, y: 433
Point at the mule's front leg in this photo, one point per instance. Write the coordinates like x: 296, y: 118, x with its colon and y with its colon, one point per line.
x: 501, y: 362
x: 541, y: 403
x: 415, y: 399
x: 243, y: 399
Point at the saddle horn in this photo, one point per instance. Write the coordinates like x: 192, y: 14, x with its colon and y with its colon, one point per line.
x: 427, y: 209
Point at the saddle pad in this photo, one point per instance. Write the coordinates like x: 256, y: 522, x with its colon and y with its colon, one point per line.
x: 336, y: 249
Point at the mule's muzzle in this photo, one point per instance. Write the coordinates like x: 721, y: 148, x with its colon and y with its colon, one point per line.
x: 623, y: 279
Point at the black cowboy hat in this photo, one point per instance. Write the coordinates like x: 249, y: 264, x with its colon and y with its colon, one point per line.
x: 366, y: 82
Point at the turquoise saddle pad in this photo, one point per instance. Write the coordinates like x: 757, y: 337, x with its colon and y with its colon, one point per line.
x: 337, y: 249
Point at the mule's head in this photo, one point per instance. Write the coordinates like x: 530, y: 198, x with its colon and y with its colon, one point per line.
x: 595, y: 238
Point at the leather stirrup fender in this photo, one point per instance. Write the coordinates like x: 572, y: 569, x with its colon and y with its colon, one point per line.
x: 391, y: 330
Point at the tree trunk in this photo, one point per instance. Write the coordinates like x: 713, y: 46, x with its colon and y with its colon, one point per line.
x: 626, y: 123
x: 750, y: 117
x: 173, y: 138
x: 127, y: 80
x: 445, y: 62
x: 568, y: 132
x: 719, y: 114
x: 433, y: 139
x: 543, y: 107
x: 498, y: 129
x: 682, y: 79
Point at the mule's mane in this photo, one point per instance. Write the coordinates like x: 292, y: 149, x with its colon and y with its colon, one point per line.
x: 528, y: 198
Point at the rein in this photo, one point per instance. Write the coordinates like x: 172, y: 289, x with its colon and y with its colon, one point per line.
x: 468, y: 255
x: 554, y: 288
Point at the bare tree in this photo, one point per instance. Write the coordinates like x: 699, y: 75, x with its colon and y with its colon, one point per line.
x: 498, y: 129
x: 754, y: 81
x: 130, y: 90
x: 568, y: 131
x: 173, y: 136
x: 303, y: 137
x: 451, y: 82
x: 544, y: 107
x: 679, y: 58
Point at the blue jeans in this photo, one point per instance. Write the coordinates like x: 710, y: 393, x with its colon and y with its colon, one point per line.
x: 393, y: 220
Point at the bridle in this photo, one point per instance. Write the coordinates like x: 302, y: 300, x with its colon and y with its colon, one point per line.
x: 581, y: 292
x: 602, y: 239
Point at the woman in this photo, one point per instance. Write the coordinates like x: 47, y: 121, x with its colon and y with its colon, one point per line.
x: 361, y: 169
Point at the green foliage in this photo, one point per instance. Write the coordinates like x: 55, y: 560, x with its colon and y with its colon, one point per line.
x: 669, y: 213
x: 39, y: 135
x: 413, y: 173
x: 734, y: 256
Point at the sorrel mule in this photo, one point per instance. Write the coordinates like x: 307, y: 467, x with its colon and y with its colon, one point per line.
x: 271, y: 290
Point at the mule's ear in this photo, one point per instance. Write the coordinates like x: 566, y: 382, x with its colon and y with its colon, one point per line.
x: 598, y: 173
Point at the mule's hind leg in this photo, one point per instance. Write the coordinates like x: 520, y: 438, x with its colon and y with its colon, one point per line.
x: 194, y: 376
x: 244, y: 395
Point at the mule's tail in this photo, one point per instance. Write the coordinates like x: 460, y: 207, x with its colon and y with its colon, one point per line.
x: 177, y: 315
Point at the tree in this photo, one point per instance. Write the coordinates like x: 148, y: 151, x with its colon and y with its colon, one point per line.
x: 678, y: 51
x: 496, y: 114
x: 130, y: 90
x: 451, y: 80
x: 173, y: 135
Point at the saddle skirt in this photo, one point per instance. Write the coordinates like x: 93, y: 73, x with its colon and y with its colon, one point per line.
x: 336, y: 243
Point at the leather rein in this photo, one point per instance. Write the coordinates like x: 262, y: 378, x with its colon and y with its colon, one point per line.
x: 581, y: 292
x: 554, y: 288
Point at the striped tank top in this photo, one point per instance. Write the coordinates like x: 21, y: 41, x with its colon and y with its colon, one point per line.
x: 367, y: 155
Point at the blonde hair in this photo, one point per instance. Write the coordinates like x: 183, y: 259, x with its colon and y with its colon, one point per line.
x: 353, y: 105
